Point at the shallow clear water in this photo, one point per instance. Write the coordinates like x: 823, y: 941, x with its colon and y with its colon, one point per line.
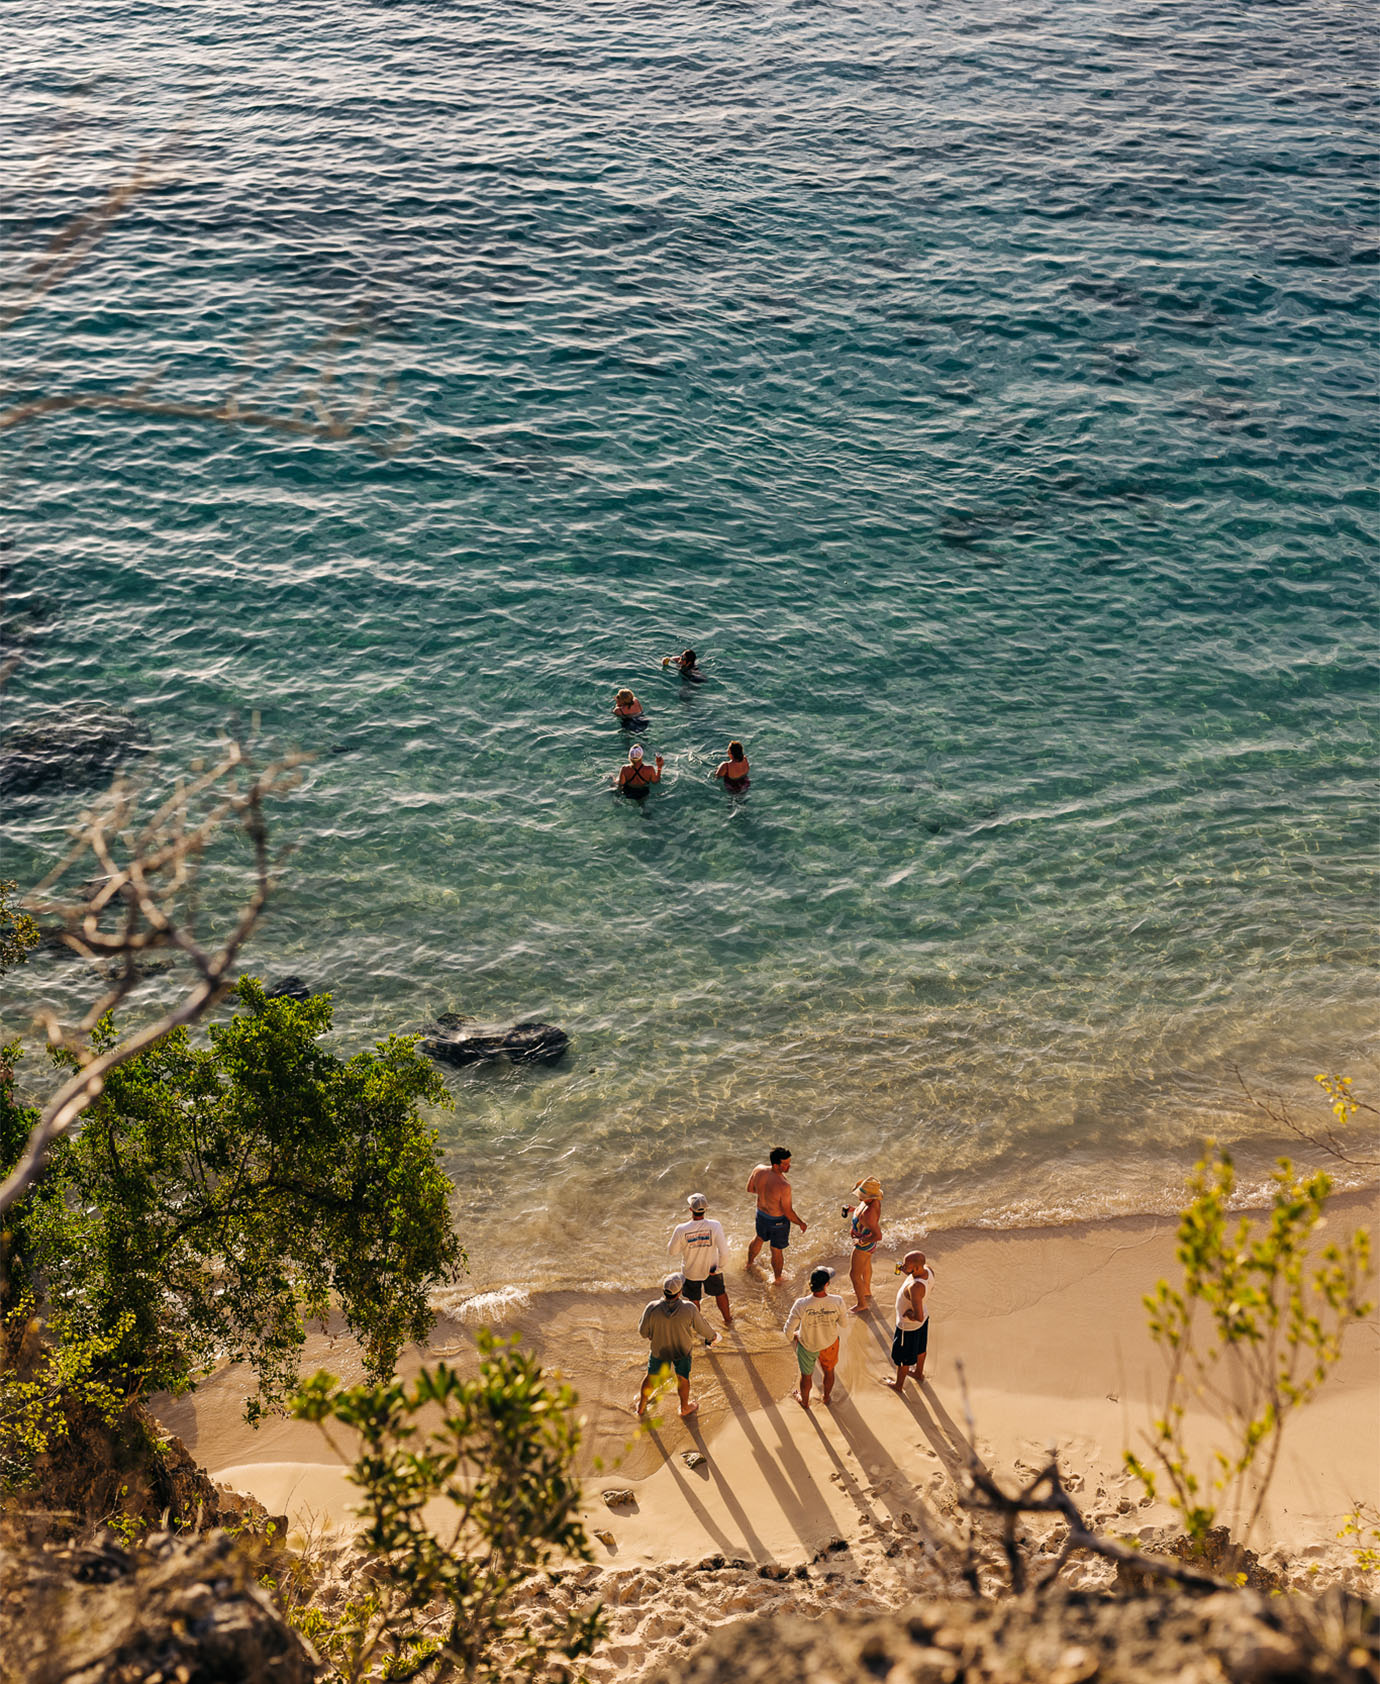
x: 987, y: 393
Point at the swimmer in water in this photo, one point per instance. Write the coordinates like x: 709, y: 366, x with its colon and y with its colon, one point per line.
x: 626, y: 705
x: 734, y: 770
x: 636, y: 778
x: 685, y: 661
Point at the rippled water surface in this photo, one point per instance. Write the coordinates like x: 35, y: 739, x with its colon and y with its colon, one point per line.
x: 985, y: 391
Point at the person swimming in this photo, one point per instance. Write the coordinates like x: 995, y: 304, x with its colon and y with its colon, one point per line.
x: 636, y: 778
x: 686, y: 662
x: 734, y: 770
x: 627, y: 707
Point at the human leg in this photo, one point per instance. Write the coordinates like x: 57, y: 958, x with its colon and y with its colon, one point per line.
x: 724, y: 1311
x: 778, y: 1265
x: 828, y: 1362
x: 805, y: 1361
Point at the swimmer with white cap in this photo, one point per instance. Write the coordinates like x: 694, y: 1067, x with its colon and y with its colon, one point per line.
x: 637, y: 777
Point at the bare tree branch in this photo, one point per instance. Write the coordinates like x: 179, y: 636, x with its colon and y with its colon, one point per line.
x: 1047, y: 1494
x: 146, y: 868
x: 309, y: 416
x: 1323, y: 1136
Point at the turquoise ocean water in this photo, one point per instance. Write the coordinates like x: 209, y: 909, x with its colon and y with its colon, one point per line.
x: 986, y: 391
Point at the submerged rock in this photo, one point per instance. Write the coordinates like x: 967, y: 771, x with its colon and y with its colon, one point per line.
x: 525, y: 1043
x: 290, y: 988
x: 68, y: 745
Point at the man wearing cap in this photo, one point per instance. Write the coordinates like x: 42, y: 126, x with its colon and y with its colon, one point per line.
x: 817, y: 1323
x: 702, y: 1251
x: 912, y: 1337
x: 673, y: 1325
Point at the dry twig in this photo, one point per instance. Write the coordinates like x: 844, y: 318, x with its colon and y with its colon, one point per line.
x: 139, y: 905
x: 1047, y: 1494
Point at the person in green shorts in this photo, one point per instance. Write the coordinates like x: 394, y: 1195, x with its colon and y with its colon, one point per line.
x: 673, y: 1324
x: 817, y: 1323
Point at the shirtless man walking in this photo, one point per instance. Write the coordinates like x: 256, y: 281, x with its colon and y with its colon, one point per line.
x: 775, y: 1213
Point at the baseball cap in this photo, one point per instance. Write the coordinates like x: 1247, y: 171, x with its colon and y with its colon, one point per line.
x: 672, y: 1284
x: 697, y: 1201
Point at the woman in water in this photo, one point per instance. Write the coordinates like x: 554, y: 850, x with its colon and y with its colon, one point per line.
x: 627, y: 706
x: 866, y: 1230
x: 636, y: 778
x: 686, y: 662
x: 734, y: 770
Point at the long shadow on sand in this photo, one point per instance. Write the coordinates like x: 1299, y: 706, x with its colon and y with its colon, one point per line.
x: 785, y: 1470
x: 692, y: 1501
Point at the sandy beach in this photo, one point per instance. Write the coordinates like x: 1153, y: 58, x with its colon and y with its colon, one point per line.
x: 845, y: 1505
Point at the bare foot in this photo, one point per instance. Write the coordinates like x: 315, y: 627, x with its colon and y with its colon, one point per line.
x: 639, y: 1406
x: 896, y: 1385
x: 859, y: 1309
x: 776, y: 1280
x: 690, y: 1409
x: 800, y: 1400
x: 728, y: 1321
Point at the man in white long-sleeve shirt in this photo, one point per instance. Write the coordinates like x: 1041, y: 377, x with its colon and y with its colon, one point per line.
x: 702, y: 1251
x: 817, y: 1323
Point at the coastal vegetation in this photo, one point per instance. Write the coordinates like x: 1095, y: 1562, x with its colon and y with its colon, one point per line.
x: 216, y: 1198
x: 501, y: 1461
x: 1250, y: 1335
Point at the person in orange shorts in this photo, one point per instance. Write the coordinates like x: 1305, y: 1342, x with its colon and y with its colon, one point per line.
x: 817, y: 1324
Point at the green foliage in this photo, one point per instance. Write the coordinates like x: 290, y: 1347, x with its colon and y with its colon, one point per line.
x: 501, y: 1459
x: 46, y: 1372
x: 18, y: 932
x: 1251, y: 1335
x: 216, y: 1198
x: 1362, y: 1526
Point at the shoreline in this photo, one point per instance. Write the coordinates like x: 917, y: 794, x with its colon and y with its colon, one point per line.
x: 1049, y: 1326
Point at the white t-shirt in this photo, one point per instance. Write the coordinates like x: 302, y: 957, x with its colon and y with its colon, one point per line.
x: 904, y: 1320
x: 702, y: 1246
x: 821, y: 1320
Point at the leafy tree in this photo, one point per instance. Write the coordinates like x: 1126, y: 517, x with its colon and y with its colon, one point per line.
x: 502, y: 1457
x: 18, y: 932
x: 217, y: 1197
x: 1250, y: 1336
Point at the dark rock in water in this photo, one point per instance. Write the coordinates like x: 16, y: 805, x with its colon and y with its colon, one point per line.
x: 290, y: 988
x: 524, y: 1043
x: 75, y: 744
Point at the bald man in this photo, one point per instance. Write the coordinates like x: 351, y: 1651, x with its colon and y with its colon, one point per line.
x: 912, y: 1337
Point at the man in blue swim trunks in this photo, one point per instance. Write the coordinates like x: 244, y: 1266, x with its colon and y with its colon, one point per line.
x: 673, y: 1324
x: 775, y: 1212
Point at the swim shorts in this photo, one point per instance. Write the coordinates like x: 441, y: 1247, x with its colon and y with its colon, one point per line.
x: 656, y: 1365
x: 712, y: 1284
x: 908, y: 1348
x: 775, y: 1230
x: 828, y: 1358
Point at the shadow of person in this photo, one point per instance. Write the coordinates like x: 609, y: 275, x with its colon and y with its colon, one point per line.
x: 709, y: 1469
x: 787, y: 1476
x: 692, y: 1497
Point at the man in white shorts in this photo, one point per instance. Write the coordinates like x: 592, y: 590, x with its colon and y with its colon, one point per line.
x: 817, y: 1323
x: 702, y: 1252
